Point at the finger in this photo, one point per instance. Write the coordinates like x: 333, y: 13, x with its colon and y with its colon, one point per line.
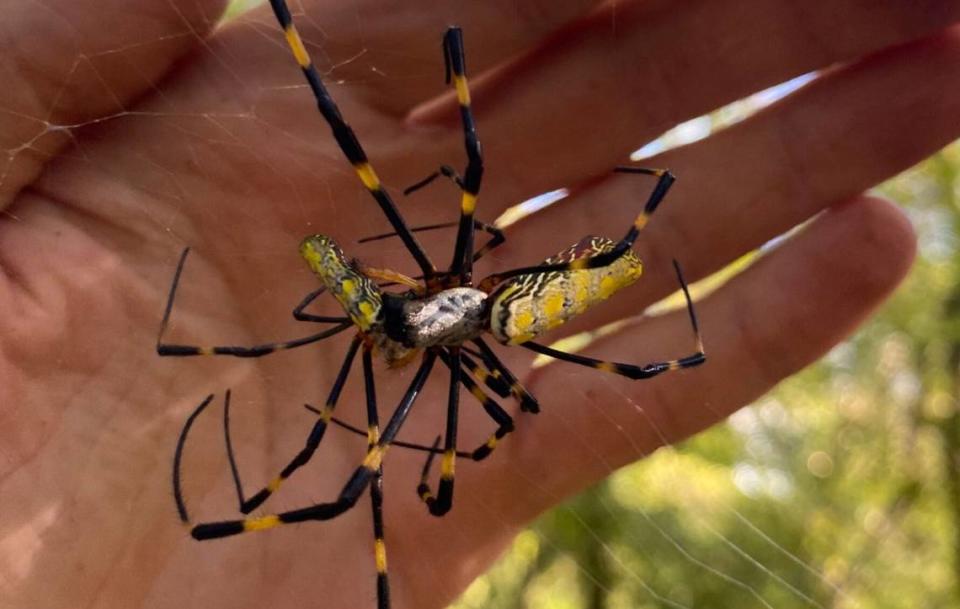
x: 750, y: 183
x: 775, y: 318
x: 66, y: 63
x: 632, y: 70
x: 392, y: 50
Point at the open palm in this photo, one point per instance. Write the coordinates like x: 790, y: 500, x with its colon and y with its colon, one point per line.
x: 184, y: 136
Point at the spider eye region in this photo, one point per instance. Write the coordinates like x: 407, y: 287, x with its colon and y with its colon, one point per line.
x: 359, y: 296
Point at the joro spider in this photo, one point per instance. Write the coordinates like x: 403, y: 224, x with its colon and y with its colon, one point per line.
x: 435, y: 316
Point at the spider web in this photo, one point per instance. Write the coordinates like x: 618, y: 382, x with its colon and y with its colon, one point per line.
x: 733, y: 517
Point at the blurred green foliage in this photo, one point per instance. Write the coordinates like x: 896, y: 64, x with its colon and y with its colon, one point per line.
x: 839, y: 489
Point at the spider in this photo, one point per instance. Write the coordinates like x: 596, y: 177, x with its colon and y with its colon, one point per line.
x: 434, y: 318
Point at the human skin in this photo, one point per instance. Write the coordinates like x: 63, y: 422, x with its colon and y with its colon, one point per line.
x: 213, y: 142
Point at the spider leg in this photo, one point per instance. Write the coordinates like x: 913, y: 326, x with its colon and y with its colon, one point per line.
x: 347, y: 140
x: 167, y: 349
x: 299, y: 315
x: 495, y: 411
x: 453, y: 54
x: 440, y: 504
x: 665, y: 179
x: 445, y: 170
x: 629, y: 370
x: 528, y: 403
x: 497, y: 238
x: 357, y: 483
x: 178, y: 455
x: 414, y: 229
x: 461, y: 454
x: 503, y: 420
x: 310, y: 446
x: 376, y: 485
x: 390, y: 277
x: 491, y: 378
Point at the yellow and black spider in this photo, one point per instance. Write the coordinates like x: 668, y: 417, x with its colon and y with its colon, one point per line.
x: 436, y: 316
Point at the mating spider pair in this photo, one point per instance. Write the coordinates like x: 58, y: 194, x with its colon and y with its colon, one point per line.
x: 435, y: 318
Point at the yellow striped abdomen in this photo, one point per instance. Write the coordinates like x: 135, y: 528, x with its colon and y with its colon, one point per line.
x: 529, y: 305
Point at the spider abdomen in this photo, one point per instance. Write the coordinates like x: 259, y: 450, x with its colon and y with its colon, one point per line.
x: 529, y: 305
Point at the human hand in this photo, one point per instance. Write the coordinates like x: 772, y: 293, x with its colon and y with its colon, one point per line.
x: 212, y: 141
